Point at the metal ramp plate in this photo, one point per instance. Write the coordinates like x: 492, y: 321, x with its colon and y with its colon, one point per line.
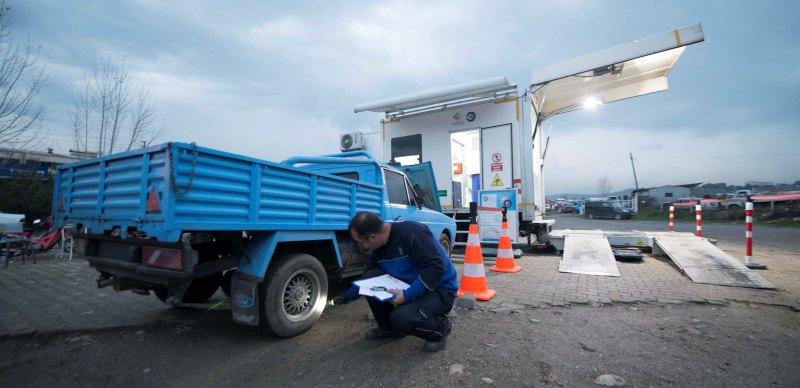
x: 588, y: 254
x: 704, y: 263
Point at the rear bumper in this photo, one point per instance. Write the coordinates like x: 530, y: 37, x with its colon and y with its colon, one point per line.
x: 159, y: 276
x: 123, y: 258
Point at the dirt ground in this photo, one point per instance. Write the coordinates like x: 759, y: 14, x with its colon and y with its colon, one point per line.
x: 646, y: 344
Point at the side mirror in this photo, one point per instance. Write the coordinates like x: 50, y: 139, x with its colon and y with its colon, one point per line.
x: 420, y: 201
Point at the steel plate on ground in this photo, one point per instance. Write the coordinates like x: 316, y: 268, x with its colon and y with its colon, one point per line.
x: 588, y: 254
x: 704, y: 263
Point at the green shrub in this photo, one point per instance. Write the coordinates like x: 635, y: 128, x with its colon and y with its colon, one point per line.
x: 26, y: 193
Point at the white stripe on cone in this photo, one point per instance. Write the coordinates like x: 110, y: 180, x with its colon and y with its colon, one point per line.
x: 505, y: 253
x: 474, y: 270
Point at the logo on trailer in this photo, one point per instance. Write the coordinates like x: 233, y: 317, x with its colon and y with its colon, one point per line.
x: 471, y: 116
x: 241, y: 300
x: 457, y: 116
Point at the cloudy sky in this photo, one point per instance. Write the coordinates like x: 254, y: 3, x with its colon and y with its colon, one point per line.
x: 274, y: 79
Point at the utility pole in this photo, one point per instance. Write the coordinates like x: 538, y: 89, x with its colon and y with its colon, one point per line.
x: 636, y: 181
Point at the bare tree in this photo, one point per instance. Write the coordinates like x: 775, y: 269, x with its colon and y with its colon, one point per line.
x: 603, y: 186
x: 110, y: 114
x: 20, y: 83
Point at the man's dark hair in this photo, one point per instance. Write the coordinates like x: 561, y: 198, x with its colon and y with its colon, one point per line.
x: 365, y: 223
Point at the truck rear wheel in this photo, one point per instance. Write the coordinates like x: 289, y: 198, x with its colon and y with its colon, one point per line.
x: 293, y: 294
x: 200, y: 291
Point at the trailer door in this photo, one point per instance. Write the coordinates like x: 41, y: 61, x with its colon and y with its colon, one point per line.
x: 496, y: 157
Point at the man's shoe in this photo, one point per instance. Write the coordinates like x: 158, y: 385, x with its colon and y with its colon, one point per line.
x: 378, y: 333
x: 435, y: 346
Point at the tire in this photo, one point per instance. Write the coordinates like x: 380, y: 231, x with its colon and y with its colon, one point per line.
x: 200, y: 291
x: 617, y: 217
x: 293, y: 294
x: 225, y: 284
x: 590, y: 215
x: 444, y: 241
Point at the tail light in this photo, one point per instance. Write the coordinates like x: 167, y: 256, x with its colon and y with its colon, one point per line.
x: 162, y: 257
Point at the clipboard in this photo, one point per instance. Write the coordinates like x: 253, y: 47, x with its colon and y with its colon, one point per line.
x: 376, y: 287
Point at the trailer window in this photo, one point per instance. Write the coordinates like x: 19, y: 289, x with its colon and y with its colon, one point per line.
x: 407, y: 150
x: 396, y: 187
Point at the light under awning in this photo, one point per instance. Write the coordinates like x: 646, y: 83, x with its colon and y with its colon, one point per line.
x: 629, y: 70
x: 443, y: 98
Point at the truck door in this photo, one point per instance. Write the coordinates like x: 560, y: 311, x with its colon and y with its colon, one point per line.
x: 423, y: 184
x: 496, y: 157
x: 402, y: 206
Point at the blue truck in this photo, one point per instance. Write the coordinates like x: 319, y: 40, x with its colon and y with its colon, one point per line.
x: 180, y: 221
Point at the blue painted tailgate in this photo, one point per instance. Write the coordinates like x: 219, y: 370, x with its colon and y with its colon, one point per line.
x: 213, y: 191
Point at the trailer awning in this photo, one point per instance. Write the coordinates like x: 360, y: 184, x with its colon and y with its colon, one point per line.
x: 490, y: 89
x: 625, y: 71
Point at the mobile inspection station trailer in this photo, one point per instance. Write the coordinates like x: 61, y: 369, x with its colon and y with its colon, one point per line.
x: 486, y: 135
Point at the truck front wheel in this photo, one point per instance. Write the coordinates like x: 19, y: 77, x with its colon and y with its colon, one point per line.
x: 444, y: 240
x: 293, y: 294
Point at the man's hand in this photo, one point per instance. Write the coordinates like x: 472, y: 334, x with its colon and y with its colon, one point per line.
x: 398, y: 297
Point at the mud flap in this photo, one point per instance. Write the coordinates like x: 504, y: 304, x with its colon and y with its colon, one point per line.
x: 244, y: 299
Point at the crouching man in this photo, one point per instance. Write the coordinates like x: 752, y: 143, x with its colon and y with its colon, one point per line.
x: 408, y: 251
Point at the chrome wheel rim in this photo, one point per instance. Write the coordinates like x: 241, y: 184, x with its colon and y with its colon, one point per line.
x: 300, y: 295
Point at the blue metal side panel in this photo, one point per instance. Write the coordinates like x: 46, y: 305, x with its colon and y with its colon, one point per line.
x: 122, y: 187
x: 83, y: 191
x: 285, y: 196
x: 213, y: 190
x: 262, y: 246
x: 219, y: 191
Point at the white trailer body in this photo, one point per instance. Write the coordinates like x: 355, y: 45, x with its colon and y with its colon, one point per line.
x: 431, y: 125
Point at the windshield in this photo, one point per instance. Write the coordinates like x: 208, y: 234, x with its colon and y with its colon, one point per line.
x: 616, y: 204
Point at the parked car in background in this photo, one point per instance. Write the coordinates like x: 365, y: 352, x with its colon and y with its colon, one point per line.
x: 606, y: 209
x: 11, y: 223
x: 566, y: 208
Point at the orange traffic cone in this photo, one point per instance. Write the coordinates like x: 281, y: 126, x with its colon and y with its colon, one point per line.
x: 473, y: 279
x: 505, y: 256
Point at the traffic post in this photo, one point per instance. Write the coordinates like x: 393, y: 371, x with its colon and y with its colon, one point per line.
x: 671, y: 218
x: 699, y: 221
x: 748, y: 258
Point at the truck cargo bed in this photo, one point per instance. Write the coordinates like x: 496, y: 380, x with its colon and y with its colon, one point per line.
x: 164, y: 190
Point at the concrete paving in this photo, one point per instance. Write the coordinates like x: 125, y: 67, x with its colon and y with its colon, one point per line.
x: 58, y: 295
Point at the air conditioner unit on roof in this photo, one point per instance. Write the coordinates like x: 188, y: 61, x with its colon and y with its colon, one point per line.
x: 351, y: 141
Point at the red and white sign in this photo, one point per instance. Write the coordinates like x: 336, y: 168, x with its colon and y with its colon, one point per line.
x: 497, y: 166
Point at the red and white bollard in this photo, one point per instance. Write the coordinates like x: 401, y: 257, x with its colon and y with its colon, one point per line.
x: 671, y: 218
x: 748, y: 250
x: 699, y: 221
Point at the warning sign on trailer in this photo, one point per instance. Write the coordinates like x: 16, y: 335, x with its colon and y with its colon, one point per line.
x: 497, y: 181
x: 497, y: 167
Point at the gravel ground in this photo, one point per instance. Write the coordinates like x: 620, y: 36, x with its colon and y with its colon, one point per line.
x: 644, y: 344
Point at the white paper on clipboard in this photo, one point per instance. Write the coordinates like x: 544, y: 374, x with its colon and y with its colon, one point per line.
x: 387, y: 282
